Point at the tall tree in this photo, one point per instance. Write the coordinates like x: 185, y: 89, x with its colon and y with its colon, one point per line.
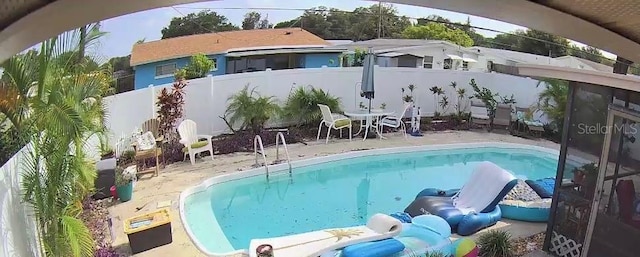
x: 587, y: 52
x: 264, y: 24
x: 478, y: 40
x: 438, y: 31
x: 251, y: 20
x: 542, y: 43
x: 362, y: 23
x: 366, y: 21
x: 313, y: 20
x: 197, y: 23
x: 533, y: 42
x: 123, y: 73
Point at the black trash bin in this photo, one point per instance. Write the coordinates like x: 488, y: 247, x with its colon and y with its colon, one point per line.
x: 105, y: 179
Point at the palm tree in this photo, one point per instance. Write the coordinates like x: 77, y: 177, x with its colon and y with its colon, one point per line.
x: 553, y: 100
x: 59, y: 99
x: 251, y: 110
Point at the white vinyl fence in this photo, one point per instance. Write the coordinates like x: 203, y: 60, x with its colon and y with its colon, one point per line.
x: 206, y: 98
x: 17, y: 223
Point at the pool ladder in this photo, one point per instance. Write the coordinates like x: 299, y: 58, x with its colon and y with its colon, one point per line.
x: 257, y: 141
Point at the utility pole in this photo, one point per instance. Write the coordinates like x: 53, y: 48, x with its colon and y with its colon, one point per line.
x: 380, y: 18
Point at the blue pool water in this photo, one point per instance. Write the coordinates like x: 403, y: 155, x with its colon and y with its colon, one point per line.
x: 339, y: 193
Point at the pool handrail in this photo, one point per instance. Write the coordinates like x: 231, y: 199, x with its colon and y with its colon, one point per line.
x: 257, y: 141
x: 286, y: 150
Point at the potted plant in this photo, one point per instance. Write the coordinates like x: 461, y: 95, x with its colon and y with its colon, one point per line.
x: 124, y: 183
x: 581, y: 173
x: 106, y: 152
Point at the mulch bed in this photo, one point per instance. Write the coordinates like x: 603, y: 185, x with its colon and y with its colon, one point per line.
x: 94, y: 216
x: 526, y: 245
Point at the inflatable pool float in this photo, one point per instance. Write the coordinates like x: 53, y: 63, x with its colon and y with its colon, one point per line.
x: 526, y: 204
x: 473, y: 207
x: 424, y: 234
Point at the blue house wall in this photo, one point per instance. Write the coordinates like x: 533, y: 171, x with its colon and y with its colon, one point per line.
x: 145, y: 74
x: 324, y: 59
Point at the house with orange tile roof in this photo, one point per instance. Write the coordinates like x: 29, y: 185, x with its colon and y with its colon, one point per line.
x: 232, y: 52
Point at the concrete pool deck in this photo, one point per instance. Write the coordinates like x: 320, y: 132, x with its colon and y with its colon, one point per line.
x: 149, y: 191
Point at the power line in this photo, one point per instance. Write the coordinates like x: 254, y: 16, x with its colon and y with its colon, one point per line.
x: 333, y: 10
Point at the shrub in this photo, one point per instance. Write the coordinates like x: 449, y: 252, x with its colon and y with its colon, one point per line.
x: 302, y: 105
x: 171, y: 109
x: 199, y: 66
x: 495, y: 243
x: 251, y: 110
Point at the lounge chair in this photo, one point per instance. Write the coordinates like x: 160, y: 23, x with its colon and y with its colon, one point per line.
x: 333, y: 121
x: 479, y: 114
x: 191, y: 140
x: 473, y: 207
x: 525, y: 116
x: 503, y: 116
x: 313, y: 244
x: 396, y: 121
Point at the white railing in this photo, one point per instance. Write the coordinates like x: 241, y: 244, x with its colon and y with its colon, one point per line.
x: 257, y: 141
x: 286, y: 150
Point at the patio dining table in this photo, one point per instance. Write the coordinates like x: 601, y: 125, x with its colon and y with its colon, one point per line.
x: 368, y: 121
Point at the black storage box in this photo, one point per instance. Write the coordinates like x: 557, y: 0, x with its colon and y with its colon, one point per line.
x: 149, y: 230
x: 105, y: 179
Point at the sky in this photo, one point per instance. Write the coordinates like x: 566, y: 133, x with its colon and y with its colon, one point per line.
x: 124, y: 31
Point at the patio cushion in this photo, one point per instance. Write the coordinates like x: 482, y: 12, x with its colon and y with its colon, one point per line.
x: 480, y: 116
x: 146, y: 141
x: 390, y: 122
x: 342, y: 123
x: 522, y: 192
x: 195, y: 145
x: 533, y: 123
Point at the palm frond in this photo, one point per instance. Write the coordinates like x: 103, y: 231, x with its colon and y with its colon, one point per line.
x: 78, y: 235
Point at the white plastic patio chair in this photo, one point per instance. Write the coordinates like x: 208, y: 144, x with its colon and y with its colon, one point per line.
x: 333, y: 121
x: 191, y: 140
x: 396, y: 121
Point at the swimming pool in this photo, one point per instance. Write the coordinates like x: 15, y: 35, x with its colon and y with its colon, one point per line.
x: 224, y: 213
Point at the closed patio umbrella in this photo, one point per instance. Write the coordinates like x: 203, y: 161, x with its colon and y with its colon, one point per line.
x: 367, y: 76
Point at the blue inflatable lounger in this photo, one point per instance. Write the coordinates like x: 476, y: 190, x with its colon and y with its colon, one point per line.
x: 316, y: 243
x: 472, y: 208
x: 526, y: 204
x: 421, y: 235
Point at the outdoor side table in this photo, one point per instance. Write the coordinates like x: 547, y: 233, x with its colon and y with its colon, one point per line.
x: 370, y: 118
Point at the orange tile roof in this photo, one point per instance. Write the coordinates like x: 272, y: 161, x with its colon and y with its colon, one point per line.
x: 219, y: 43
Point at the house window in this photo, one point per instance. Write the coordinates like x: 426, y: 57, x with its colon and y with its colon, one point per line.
x: 166, y: 69
x: 448, y: 64
x: 427, y: 62
x: 465, y: 65
x: 215, y: 64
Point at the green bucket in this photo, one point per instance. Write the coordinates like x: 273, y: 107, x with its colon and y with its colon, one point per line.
x: 125, y: 192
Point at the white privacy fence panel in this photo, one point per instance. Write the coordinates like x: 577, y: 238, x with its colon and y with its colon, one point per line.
x: 206, y: 98
x: 17, y: 223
